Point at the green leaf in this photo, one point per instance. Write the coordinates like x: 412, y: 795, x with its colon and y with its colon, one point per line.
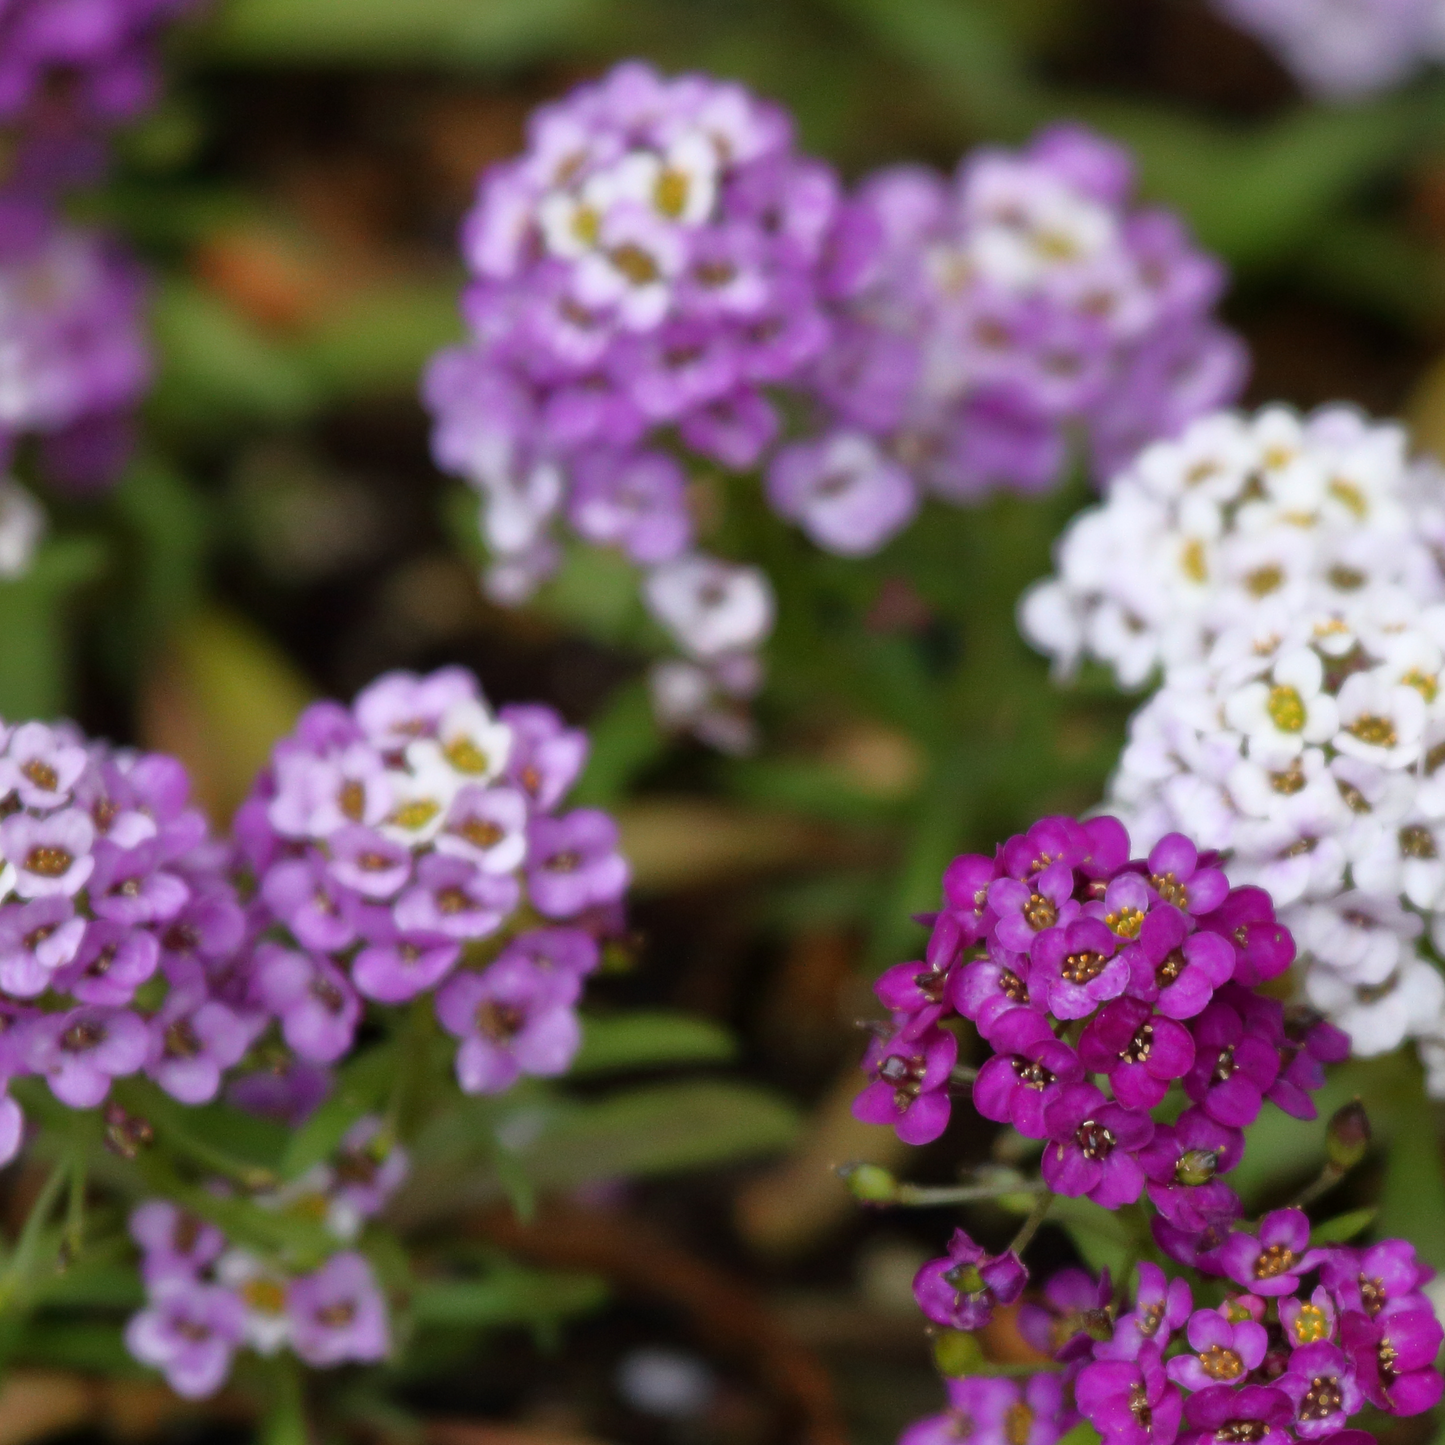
x: 285, y: 1418
x: 77, y: 1345
x: 658, y: 1130
x: 35, y: 661
x: 648, y: 1039
x: 383, y: 339
x: 1100, y: 1235
x: 451, y: 33
x: 361, y: 1086
x: 1412, y: 1202
x: 96, y: 1286
x: 510, y: 1296
x: 218, y: 369
x: 625, y: 740
x: 1082, y: 1434
x: 1343, y: 1227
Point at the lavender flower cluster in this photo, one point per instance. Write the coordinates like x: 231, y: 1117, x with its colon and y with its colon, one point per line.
x: 411, y: 844
x: 1151, y: 967
x: 1289, y: 584
x: 662, y: 276
x: 119, y: 926
x: 1276, y: 1361
x: 74, y: 355
x: 207, y: 1297
x: 1000, y: 311
x: 1340, y: 52
x: 1082, y: 968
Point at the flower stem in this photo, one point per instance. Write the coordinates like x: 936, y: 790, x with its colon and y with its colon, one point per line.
x: 1030, y: 1226
x: 28, y: 1245
x: 925, y: 1194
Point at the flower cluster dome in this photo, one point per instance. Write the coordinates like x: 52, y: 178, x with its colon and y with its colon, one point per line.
x: 995, y: 313
x: 413, y: 844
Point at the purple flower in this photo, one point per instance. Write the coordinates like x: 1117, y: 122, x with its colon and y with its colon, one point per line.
x: 368, y: 861
x: 189, y: 1332
x: 909, y: 1087
x: 194, y: 1039
x: 1094, y: 1147
x: 573, y: 863
x: 112, y: 962
x: 1232, y: 1068
x: 1140, y: 1051
x: 1026, y: 909
x: 1394, y: 1357
x: 845, y: 493
x: 338, y: 1314
x: 37, y: 939
x: 1072, y: 1315
x: 995, y: 1411
x: 1175, y: 969
x: 1161, y: 1305
x: 395, y: 965
x: 81, y: 1050
x: 289, y: 1092
x: 174, y: 1243
x: 634, y: 502
x: 50, y: 855
x: 993, y: 987
x: 1370, y: 1279
x: 369, y: 1167
x: 1028, y: 1072
x: 41, y: 766
x: 1130, y: 1402
x: 488, y: 826
x: 965, y: 892
x: 513, y: 1019
x: 1075, y: 968
x: 127, y: 885
x: 317, y: 1007
x: 1222, y: 1414
x: 962, y: 1289
x: 1175, y: 874
x: 302, y: 893
x: 1321, y: 1383
x: 1224, y: 1351
x: 1263, y: 949
x: 1310, y: 1044
x: 1182, y: 1161
x: 546, y: 756
x: 1272, y: 1263
x: 452, y: 898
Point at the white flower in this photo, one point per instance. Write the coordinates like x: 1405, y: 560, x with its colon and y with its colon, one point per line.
x: 421, y: 794
x: 711, y: 607
x: 22, y: 525
x: 263, y: 1291
x: 1403, y: 859
x: 1381, y: 1016
x: 473, y: 743
x: 1290, y: 709
x: 1380, y: 720
x: 1362, y: 937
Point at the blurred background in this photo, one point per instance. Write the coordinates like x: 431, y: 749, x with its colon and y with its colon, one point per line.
x: 285, y: 535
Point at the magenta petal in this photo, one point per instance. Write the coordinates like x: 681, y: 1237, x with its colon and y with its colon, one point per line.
x: 926, y: 1120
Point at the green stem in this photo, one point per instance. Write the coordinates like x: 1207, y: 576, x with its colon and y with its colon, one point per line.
x: 962, y: 1074
x: 75, y: 1211
x: 28, y: 1245
x: 1030, y: 1226
x: 285, y: 1421
x: 1329, y: 1177
x: 927, y: 1194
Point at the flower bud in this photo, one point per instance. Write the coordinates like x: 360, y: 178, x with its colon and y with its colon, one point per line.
x: 1347, y: 1140
x: 956, y: 1353
x: 1196, y: 1166
x: 126, y: 1134
x: 870, y: 1183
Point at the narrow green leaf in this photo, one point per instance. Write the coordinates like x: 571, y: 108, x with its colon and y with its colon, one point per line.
x: 361, y: 1086
x: 1343, y: 1227
x: 77, y: 1345
x: 625, y: 741
x: 1100, y: 1235
x: 657, y: 1130
x: 510, y: 1296
x: 1412, y: 1203
x: 1082, y: 1434
x: 645, y: 1039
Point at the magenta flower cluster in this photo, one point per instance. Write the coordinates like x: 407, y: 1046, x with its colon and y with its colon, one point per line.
x: 208, y: 1297
x: 412, y: 844
x: 119, y: 926
x: 1100, y: 981
x: 1278, y: 1360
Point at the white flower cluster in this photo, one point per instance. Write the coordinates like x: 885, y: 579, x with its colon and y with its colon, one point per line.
x: 1284, y: 574
x: 1239, y: 521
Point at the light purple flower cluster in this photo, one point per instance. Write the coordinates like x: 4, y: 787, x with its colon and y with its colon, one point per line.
x: 208, y: 1298
x: 119, y: 926
x: 100, y: 56
x: 1277, y: 1361
x: 1001, y: 312
x: 74, y: 359
x: 1343, y: 51
x: 411, y: 844
x: 661, y: 268
x: 1084, y: 969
